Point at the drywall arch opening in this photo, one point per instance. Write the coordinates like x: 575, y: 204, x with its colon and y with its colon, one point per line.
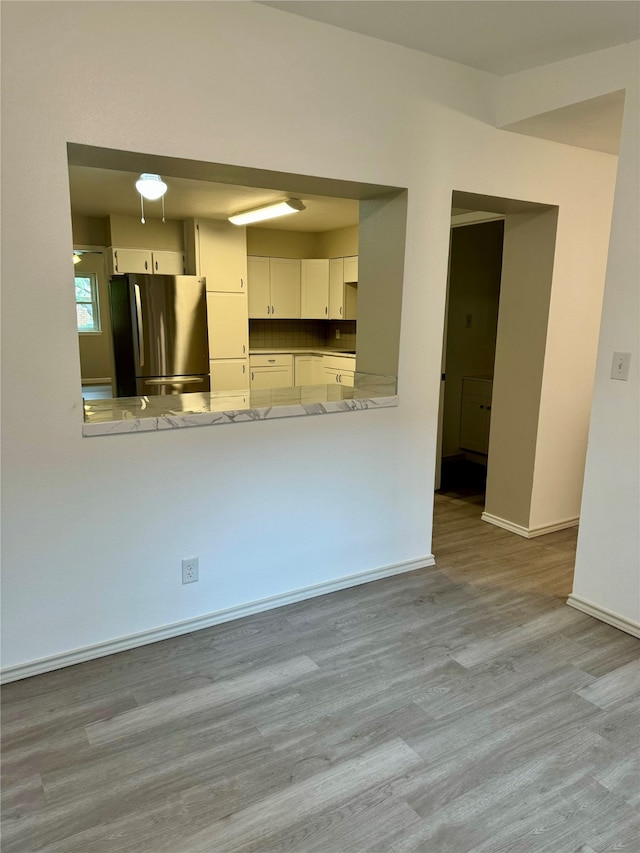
x: 530, y: 422
x: 380, y: 218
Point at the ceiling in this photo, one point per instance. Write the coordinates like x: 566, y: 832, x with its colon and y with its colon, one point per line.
x: 98, y: 192
x: 498, y: 36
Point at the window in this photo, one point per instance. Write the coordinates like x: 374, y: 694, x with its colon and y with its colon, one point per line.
x: 87, y: 308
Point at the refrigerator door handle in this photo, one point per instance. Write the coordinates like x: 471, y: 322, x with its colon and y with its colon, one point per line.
x: 140, y: 326
x: 177, y: 381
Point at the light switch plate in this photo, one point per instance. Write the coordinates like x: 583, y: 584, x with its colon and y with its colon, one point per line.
x: 620, y: 365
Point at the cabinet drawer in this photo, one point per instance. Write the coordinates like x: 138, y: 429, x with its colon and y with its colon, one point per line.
x: 340, y: 362
x: 272, y: 360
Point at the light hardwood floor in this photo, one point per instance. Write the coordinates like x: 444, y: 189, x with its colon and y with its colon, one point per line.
x: 453, y: 709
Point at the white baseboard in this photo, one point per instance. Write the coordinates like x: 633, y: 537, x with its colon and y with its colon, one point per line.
x: 529, y: 532
x: 154, y: 635
x: 604, y: 615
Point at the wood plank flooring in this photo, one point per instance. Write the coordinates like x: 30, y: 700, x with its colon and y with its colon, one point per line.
x: 453, y: 709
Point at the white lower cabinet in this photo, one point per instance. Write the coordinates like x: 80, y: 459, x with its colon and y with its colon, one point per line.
x: 271, y: 371
x: 335, y: 376
x: 339, y: 370
x: 308, y: 370
x: 475, y: 414
x: 229, y: 374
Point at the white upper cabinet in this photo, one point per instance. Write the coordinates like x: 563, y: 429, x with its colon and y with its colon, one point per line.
x: 259, y: 286
x: 343, y: 293
x: 285, y: 288
x: 351, y: 268
x: 274, y: 287
x: 219, y: 254
x: 145, y: 261
x: 168, y: 263
x: 315, y: 288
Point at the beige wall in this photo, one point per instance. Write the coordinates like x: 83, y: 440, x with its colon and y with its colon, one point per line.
x: 128, y: 232
x: 339, y: 243
x: 89, y: 230
x: 275, y: 243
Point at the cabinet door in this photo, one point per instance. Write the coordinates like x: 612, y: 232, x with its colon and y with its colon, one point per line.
x: 229, y: 374
x: 131, y: 260
x: 168, y: 263
x: 228, y: 325
x: 285, y: 287
x: 307, y: 370
x: 336, y: 289
x: 315, y: 289
x: 351, y: 268
x: 474, y: 423
x: 271, y: 377
x: 222, y: 255
x: 259, y: 288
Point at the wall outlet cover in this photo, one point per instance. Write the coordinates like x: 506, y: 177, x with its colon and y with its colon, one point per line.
x: 190, y: 569
x: 620, y: 365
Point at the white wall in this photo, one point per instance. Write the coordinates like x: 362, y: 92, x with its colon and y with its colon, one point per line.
x: 607, y: 573
x: 94, y: 529
x: 608, y: 560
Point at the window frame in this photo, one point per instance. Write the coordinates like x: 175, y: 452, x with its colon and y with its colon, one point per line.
x: 94, y: 302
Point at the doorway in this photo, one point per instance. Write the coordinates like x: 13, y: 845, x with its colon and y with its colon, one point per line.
x: 473, y: 291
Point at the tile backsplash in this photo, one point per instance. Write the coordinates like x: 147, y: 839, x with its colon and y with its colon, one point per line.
x: 302, y: 333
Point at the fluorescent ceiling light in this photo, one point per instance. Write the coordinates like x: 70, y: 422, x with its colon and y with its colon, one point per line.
x: 151, y: 187
x: 268, y: 211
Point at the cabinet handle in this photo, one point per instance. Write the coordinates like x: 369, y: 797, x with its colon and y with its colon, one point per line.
x: 241, y: 283
x: 156, y: 266
x: 341, y: 310
x: 488, y: 408
x: 244, y: 349
x: 268, y: 310
x: 244, y: 368
x: 146, y: 265
x: 273, y: 310
x: 115, y: 255
x: 272, y: 361
x: 252, y: 376
x: 482, y: 407
x: 326, y: 309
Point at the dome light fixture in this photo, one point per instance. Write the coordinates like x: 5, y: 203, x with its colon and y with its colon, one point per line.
x: 268, y: 211
x: 76, y: 258
x: 151, y: 187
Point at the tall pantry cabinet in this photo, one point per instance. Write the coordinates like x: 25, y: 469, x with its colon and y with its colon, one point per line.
x: 217, y: 250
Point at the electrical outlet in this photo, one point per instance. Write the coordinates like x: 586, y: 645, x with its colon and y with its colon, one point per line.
x: 190, y: 570
x: 620, y: 365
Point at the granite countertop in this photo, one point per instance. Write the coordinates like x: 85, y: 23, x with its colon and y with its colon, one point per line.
x: 177, y: 411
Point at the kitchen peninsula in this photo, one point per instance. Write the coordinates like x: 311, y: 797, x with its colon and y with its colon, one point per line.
x: 177, y: 411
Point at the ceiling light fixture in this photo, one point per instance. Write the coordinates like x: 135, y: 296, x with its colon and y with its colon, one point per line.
x: 151, y: 187
x: 268, y: 211
x: 76, y: 258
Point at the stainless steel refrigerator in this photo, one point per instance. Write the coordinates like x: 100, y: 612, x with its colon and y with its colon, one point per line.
x: 159, y: 327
